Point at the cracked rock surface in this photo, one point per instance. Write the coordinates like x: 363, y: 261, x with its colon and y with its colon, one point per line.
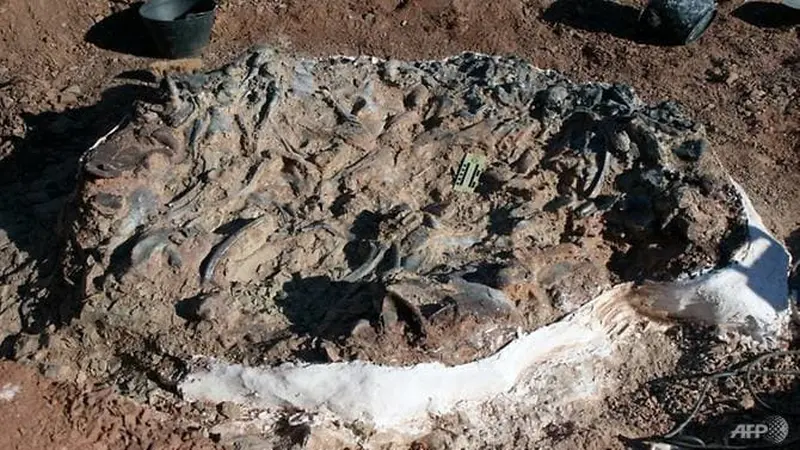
x: 283, y: 209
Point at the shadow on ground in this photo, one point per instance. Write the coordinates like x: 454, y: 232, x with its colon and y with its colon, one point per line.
x: 598, y: 16
x: 793, y: 244
x: 122, y: 32
x: 36, y: 180
x: 768, y: 15
x: 328, y: 309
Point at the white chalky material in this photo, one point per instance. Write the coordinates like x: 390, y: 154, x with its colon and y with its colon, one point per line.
x: 750, y: 295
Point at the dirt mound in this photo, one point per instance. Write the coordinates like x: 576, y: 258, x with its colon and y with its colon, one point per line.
x: 284, y: 209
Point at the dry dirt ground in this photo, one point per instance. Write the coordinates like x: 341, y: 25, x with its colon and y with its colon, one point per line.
x: 69, y: 70
x: 38, y: 413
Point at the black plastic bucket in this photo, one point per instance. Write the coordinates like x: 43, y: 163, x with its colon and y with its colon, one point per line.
x: 180, y: 28
x: 678, y: 22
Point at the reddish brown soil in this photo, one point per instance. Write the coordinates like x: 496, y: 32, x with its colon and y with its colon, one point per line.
x: 742, y: 79
x: 41, y: 414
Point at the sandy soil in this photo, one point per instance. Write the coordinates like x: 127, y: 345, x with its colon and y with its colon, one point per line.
x: 60, y: 89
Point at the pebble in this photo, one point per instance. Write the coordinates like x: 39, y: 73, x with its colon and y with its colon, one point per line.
x: 26, y: 345
x: 64, y: 100
x: 59, y: 372
x: 747, y: 402
x: 391, y: 71
x: 691, y: 150
x: 74, y: 89
x: 526, y: 162
x: 620, y: 142
x: 511, y: 275
x: 717, y: 74
x: 229, y: 410
x: 497, y: 175
x: 418, y: 96
x: 556, y: 96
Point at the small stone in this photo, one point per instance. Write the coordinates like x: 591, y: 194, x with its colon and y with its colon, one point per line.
x: 6, y: 101
x: 747, y: 402
x: 150, y: 116
x: 363, y: 329
x: 74, y: 89
x: 691, y: 150
x: 26, y: 346
x: 153, y: 397
x: 213, y: 175
x: 526, y: 162
x: 215, y: 308
x: 331, y: 352
x: 67, y: 98
x: 512, y: 275
x: 114, y: 365
x: 59, y: 372
x: 418, y: 97
x: 556, y: 96
x: 389, y: 315
x: 620, y: 142
x: 229, y: 410
x: 250, y: 213
x: 496, y: 176
x: 717, y: 75
x: 98, y: 366
x: 391, y: 71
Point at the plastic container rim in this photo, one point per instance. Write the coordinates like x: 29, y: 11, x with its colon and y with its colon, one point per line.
x: 202, y: 15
